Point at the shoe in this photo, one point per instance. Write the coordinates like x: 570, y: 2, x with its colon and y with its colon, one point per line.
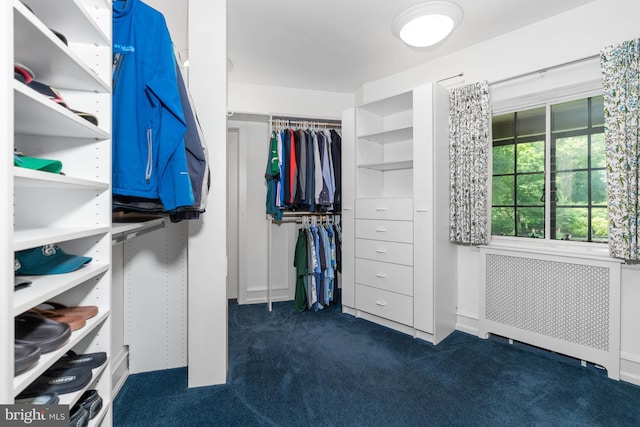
x: 37, y: 330
x: 59, y: 381
x: 92, y: 402
x: 76, y: 317
x: 78, y: 417
x: 73, y: 360
x: 26, y: 356
x: 39, y: 399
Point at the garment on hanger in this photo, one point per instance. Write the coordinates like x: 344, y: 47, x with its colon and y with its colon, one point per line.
x: 315, y: 260
x: 306, y: 179
x: 149, y: 154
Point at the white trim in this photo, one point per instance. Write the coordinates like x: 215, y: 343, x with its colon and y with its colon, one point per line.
x: 630, y: 357
x: 582, y: 250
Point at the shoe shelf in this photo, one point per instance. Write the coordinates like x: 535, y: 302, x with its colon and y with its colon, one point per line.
x: 46, y: 288
x: 71, y: 398
x: 52, y: 62
x: 21, y: 381
x: 35, y: 114
x: 57, y: 14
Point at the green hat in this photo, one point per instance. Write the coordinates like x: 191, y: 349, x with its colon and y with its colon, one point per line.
x: 36, y: 163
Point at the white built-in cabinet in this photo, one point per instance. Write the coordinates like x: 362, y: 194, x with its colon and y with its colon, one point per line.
x: 72, y: 210
x: 399, y: 268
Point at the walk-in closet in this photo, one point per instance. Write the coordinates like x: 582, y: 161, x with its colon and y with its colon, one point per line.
x: 219, y: 211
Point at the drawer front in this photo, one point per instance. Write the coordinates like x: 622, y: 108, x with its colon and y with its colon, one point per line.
x: 377, y: 250
x: 399, y: 209
x: 383, y: 275
x: 388, y: 305
x: 391, y: 231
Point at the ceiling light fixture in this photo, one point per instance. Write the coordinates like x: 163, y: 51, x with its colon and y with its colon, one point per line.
x: 426, y: 24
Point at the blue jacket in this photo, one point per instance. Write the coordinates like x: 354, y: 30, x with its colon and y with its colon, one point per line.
x: 149, y: 156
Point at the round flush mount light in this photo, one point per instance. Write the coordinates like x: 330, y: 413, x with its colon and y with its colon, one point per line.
x: 426, y: 24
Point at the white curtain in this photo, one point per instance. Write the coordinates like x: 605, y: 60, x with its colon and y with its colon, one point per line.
x: 469, y: 145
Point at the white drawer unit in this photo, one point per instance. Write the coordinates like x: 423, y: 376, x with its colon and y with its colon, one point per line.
x: 391, y: 231
x: 385, y: 304
x: 377, y: 250
x: 385, y: 275
x: 391, y: 208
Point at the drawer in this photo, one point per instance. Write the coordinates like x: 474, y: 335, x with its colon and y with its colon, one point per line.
x: 378, y: 250
x: 400, y: 209
x: 384, y: 275
x: 379, y: 229
x: 388, y: 305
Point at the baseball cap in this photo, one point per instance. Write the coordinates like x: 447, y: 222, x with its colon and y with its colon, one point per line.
x: 51, y: 93
x: 35, y: 163
x: 48, y: 259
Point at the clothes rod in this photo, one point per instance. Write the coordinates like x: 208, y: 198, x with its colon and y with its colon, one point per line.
x: 542, y: 70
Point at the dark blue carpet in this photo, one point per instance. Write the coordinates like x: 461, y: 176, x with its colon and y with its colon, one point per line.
x: 331, y: 369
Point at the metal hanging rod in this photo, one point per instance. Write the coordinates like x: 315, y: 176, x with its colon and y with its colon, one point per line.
x: 304, y: 121
x: 542, y: 70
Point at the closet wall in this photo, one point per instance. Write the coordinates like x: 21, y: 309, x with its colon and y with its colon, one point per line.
x: 576, y: 34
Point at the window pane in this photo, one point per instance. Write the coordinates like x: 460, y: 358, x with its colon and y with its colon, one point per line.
x: 572, y: 188
x: 530, y: 189
x: 597, y: 151
x: 502, y: 221
x: 599, y: 225
x: 531, y: 122
x: 531, y: 157
x: 502, y: 190
x: 569, y: 116
x: 503, y: 159
x: 571, y: 153
x: 571, y: 223
x: 599, y: 187
x: 531, y: 222
x: 503, y: 126
x: 597, y: 111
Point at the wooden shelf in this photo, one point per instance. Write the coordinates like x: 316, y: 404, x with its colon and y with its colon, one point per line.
x: 389, y: 136
x: 25, y: 239
x: 27, y: 178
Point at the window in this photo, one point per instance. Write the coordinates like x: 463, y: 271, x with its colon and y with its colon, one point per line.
x: 549, y: 177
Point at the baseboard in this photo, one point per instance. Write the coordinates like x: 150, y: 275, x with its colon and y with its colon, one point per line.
x: 467, y: 321
x: 630, y: 368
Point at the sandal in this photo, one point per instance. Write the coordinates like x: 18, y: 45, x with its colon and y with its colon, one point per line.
x: 90, y: 361
x: 40, y: 331
x: 88, y: 311
x: 75, y: 322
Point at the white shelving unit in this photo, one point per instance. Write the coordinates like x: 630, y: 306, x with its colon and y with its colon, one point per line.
x: 71, y: 210
x: 396, y: 202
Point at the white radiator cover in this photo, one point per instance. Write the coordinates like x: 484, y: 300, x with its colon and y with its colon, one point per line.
x: 564, y: 304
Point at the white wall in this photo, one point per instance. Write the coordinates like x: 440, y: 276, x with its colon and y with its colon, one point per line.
x: 570, y: 36
x: 250, y: 98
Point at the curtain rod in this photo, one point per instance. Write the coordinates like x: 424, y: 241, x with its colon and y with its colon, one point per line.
x: 542, y: 70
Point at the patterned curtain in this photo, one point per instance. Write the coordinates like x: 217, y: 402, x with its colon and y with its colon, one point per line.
x: 469, y: 145
x: 621, y: 82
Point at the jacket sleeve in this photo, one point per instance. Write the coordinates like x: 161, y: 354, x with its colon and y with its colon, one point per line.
x: 174, y: 184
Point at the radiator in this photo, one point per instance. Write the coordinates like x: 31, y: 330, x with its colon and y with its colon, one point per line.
x: 563, y: 304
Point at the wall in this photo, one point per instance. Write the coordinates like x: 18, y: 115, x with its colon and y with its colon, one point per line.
x: 250, y: 98
x: 576, y: 34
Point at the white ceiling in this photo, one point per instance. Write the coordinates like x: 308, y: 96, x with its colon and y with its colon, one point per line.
x: 337, y: 45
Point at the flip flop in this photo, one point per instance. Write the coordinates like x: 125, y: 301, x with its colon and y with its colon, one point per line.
x: 88, y: 311
x: 91, y: 401
x: 60, y: 381
x: 75, y: 321
x: 26, y: 356
x: 40, y: 331
x: 39, y: 399
x: 73, y: 360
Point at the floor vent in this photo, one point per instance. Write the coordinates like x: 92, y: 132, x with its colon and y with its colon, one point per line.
x: 563, y: 304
